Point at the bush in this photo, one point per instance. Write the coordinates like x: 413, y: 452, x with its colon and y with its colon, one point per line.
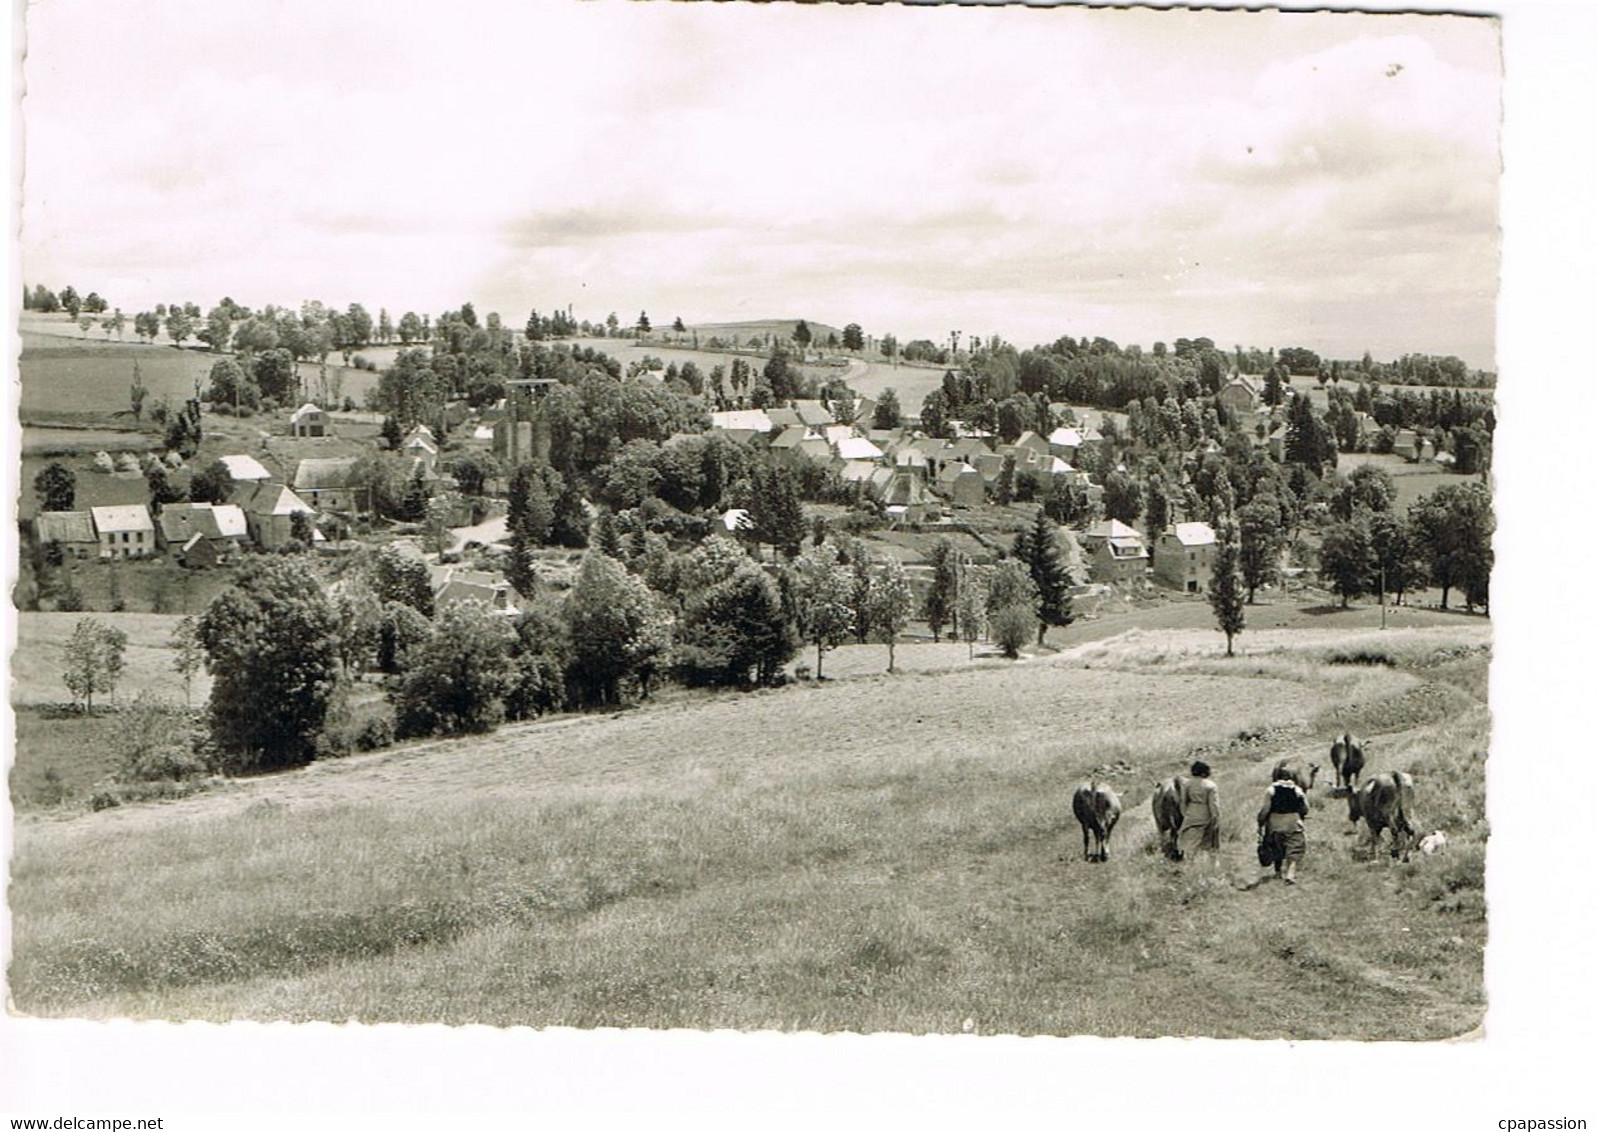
x: 376, y: 733
x: 1012, y: 626
x: 156, y: 743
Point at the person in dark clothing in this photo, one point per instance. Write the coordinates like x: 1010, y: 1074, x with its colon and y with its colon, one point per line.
x: 1281, y: 824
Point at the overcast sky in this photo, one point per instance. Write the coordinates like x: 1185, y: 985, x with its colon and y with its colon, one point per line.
x: 1327, y: 180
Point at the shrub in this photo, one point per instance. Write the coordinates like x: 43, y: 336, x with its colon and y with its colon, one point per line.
x: 155, y: 743
x: 376, y: 733
x: 1012, y: 627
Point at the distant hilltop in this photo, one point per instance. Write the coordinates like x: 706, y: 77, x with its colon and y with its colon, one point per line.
x: 781, y: 327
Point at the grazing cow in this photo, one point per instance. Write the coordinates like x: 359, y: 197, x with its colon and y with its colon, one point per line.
x: 1347, y: 760
x: 1097, y: 808
x: 1304, y: 778
x: 1386, y: 801
x: 1167, y: 814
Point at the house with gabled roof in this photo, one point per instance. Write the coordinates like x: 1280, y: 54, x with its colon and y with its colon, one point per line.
x: 457, y: 586
x: 1115, y: 552
x: 1241, y: 394
x: 308, y: 420
x: 327, y: 484
x: 126, y: 531
x: 741, y: 425
x: 816, y: 414
x: 906, y: 498
x: 1036, y: 445
x: 269, y: 510
x: 783, y: 417
x: 961, y: 484
x: 223, y: 527
x: 857, y: 448
x: 72, y: 531
x: 1183, y: 557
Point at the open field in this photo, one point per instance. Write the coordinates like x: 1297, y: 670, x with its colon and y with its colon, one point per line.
x: 1411, y: 480
x: 147, y: 663
x: 886, y: 853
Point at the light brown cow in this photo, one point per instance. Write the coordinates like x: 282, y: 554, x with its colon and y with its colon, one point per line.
x: 1296, y: 771
x: 1386, y: 801
x: 1097, y: 808
x: 1167, y: 814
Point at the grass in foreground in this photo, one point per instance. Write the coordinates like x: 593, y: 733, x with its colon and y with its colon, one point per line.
x: 881, y: 855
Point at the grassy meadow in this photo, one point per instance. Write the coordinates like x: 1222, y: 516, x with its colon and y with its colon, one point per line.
x: 876, y: 853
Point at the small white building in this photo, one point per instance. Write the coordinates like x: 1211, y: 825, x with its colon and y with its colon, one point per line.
x: 126, y: 531
x: 1183, y: 557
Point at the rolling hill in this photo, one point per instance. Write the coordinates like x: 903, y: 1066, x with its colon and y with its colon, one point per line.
x: 879, y: 853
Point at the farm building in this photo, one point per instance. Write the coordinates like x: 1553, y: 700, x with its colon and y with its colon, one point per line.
x: 814, y: 413
x: 1064, y: 442
x: 246, y: 469
x: 328, y: 484
x: 857, y: 448
x: 124, y: 532
x: 1183, y: 557
x: 962, y: 484
x: 1038, y: 446
x: 1412, y: 447
x: 1241, y: 394
x: 308, y: 420
x: 1115, y: 552
x: 221, y: 527
x: 907, y: 500
x: 421, y: 446
x: 459, y: 586
x: 784, y: 417
x: 269, y: 510
x: 741, y: 425
x: 72, y: 531
x: 785, y: 445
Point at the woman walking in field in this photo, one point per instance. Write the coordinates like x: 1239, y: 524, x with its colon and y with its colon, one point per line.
x: 1200, y: 814
x: 1281, y: 824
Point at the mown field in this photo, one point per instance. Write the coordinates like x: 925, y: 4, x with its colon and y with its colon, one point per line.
x: 880, y: 853
x: 1411, y: 480
x: 66, y: 373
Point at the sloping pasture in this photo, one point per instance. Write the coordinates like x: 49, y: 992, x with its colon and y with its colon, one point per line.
x: 890, y: 853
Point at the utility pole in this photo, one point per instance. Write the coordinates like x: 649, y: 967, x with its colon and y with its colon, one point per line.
x: 1383, y: 595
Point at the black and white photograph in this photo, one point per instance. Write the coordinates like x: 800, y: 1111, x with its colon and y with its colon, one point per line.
x: 931, y: 525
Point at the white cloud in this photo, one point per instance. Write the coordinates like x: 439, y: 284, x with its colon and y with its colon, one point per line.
x: 1030, y: 172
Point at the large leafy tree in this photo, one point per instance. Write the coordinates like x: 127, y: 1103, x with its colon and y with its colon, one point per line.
x: 1400, y: 565
x: 617, y: 629
x: 397, y: 578
x: 734, y: 630
x: 271, y: 645
x: 93, y: 656
x: 1225, y: 584
x: 459, y: 678
x: 1453, y: 528
x: 853, y: 337
x: 1347, y: 559
x: 821, y: 588
x: 891, y: 603
x: 56, y: 487
x: 1261, y: 540
x: 231, y: 386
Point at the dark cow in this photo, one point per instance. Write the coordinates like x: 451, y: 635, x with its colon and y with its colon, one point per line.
x: 1097, y: 808
x: 1347, y: 760
x: 1386, y: 801
x: 1295, y: 770
x: 1167, y: 814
